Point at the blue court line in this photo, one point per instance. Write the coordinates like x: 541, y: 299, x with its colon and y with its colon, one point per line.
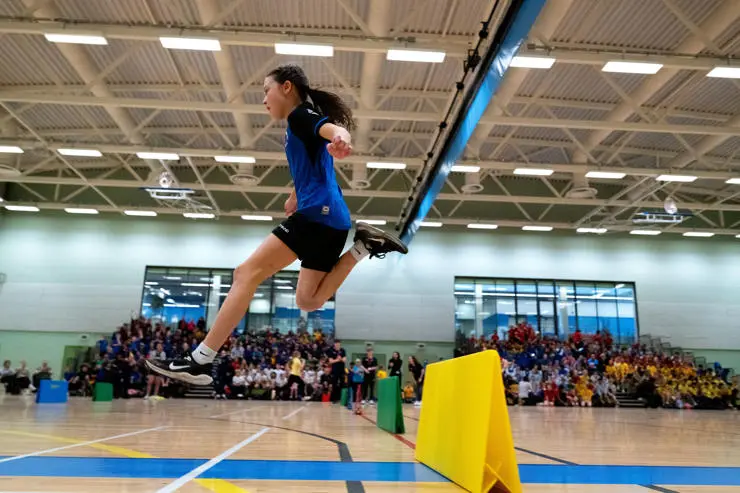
x: 641, y: 475
x: 119, y: 467
x: 115, y: 467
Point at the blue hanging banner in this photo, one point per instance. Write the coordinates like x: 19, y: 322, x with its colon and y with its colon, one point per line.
x: 514, y: 30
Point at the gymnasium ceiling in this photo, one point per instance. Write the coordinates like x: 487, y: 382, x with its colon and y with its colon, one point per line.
x: 134, y: 95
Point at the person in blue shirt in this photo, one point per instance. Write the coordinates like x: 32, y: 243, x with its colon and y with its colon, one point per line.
x: 354, y: 396
x: 318, y: 221
x: 102, y: 346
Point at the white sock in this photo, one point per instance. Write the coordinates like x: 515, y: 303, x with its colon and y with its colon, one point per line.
x: 203, y: 354
x: 359, y: 251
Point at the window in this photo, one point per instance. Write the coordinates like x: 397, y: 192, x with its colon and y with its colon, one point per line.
x: 626, y: 312
x: 588, y: 319
x: 172, y: 294
x: 553, y: 308
x: 547, y: 307
x: 606, y: 307
x: 566, y: 304
x: 526, y: 304
x: 465, y: 313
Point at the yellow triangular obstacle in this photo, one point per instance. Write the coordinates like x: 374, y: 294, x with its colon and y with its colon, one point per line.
x: 464, y: 430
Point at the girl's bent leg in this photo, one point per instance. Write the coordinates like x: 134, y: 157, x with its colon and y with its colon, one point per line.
x: 269, y: 258
x: 272, y: 256
x: 315, y: 287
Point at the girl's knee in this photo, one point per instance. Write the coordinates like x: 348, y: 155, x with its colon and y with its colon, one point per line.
x: 250, y: 273
x: 307, y: 304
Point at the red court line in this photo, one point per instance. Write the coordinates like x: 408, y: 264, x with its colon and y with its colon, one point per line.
x: 401, y: 439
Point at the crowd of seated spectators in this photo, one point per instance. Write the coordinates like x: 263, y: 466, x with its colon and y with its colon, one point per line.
x: 671, y: 382
x: 584, y: 370
x: 20, y: 380
x: 265, y: 365
x: 590, y: 370
x: 247, y: 366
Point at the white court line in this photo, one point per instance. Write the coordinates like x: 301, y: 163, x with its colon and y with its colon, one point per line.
x: 180, y: 482
x: 57, y: 449
x: 234, y: 412
x: 288, y: 416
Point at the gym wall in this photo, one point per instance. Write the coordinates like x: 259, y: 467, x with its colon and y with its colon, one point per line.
x: 85, y: 275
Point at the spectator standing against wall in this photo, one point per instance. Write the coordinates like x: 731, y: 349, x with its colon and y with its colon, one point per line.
x: 120, y: 374
x: 224, y: 373
x: 370, y: 364
x: 395, y: 366
x: 337, y: 359
x: 417, y: 371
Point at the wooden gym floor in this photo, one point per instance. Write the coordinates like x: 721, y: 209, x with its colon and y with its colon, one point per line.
x: 229, y: 447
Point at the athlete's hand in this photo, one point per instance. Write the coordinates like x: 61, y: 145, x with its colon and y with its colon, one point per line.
x: 291, y: 205
x: 339, y: 148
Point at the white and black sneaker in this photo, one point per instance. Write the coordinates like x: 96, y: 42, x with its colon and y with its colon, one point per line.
x: 378, y: 242
x: 184, y: 369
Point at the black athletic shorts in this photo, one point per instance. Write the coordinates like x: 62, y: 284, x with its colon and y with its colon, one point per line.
x: 317, y: 246
x: 294, y: 379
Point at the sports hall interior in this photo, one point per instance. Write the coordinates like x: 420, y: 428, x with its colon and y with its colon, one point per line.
x: 563, y: 172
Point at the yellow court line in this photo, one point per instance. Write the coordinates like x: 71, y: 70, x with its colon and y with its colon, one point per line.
x: 215, y: 485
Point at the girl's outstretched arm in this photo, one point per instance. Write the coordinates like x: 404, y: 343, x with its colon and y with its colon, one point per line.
x: 340, y: 140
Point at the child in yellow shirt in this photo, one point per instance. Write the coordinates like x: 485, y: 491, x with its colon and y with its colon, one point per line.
x: 408, y: 393
x: 585, y: 393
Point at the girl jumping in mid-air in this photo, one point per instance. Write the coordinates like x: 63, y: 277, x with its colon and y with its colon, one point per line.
x: 318, y: 218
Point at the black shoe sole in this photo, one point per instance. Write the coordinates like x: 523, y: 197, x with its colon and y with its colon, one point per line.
x: 183, y: 377
x: 401, y: 247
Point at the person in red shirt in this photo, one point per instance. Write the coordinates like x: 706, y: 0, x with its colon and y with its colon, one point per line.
x: 577, y: 337
x: 551, y: 392
x: 608, y: 341
x: 530, y: 334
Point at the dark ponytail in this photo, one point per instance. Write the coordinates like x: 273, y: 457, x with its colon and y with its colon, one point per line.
x: 326, y: 103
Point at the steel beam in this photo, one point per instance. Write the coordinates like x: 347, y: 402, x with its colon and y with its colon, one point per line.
x: 277, y: 215
x: 279, y: 159
x: 454, y: 46
x: 9, y: 96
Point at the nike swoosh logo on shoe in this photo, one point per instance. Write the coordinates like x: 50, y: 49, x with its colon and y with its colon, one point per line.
x: 175, y: 368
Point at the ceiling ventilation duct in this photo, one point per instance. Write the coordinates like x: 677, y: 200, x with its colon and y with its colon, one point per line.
x: 244, y: 176
x: 7, y: 166
x: 581, y: 188
x: 359, y: 177
x: 472, y: 183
